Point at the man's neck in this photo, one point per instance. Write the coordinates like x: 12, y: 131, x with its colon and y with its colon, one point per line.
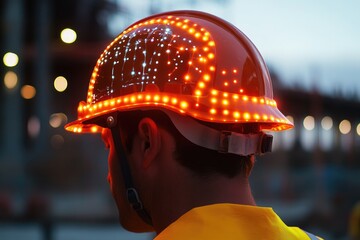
x: 193, y: 192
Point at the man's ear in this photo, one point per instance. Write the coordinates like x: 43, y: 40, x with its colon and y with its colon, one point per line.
x: 149, y: 135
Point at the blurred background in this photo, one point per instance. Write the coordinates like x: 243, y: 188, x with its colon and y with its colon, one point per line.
x: 53, y: 184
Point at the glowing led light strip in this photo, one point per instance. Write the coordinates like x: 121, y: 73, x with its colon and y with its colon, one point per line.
x: 86, y: 111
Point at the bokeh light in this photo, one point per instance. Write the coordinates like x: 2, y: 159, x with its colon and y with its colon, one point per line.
x: 345, y: 126
x: 60, y: 84
x: 358, y: 129
x: 309, y: 123
x: 57, y: 119
x: 68, y: 35
x: 327, y: 123
x: 33, y: 127
x: 28, y: 92
x: 10, y: 80
x: 10, y: 59
x: 57, y: 141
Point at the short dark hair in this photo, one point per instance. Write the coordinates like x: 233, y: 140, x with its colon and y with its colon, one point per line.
x: 200, y: 160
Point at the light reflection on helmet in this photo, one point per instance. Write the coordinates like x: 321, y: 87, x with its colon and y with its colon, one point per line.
x: 189, y: 62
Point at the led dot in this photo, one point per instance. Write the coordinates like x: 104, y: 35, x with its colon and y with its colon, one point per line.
x: 265, y: 117
x: 201, y: 84
x: 202, y: 59
x: 345, y: 126
x: 226, y: 112
x: 225, y: 102
x: 183, y: 104
x: 191, y: 30
x: 197, y: 34
x: 213, y: 111
x: 236, y: 97
x: 165, y: 99
x: 234, y: 71
x: 206, y: 77
x: 245, y: 98
x: 262, y: 101
x: 236, y: 115
x: 256, y: 116
x: 246, y: 116
x: 254, y: 99
x: 156, y: 98
x: 212, y: 68
x: 174, y: 101
x: 214, y: 92
x: 211, y: 43
x: 187, y: 77
x: 198, y: 93
x: 223, y: 72
x: 94, y: 129
x: 205, y: 38
x: 213, y: 100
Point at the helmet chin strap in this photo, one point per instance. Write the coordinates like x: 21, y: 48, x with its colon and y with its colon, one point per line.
x: 132, y: 195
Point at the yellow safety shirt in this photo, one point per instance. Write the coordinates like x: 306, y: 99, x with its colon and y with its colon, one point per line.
x: 231, y: 221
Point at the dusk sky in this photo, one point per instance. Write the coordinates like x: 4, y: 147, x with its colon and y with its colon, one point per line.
x: 308, y: 43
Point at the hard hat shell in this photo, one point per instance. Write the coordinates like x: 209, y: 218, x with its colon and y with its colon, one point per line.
x: 189, y: 62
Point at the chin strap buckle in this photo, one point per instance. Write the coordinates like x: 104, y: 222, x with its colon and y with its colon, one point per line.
x: 266, y: 143
x: 133, y: 199
x: 244, y: 144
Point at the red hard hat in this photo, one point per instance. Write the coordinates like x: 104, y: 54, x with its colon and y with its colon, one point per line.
x: 186, y: 62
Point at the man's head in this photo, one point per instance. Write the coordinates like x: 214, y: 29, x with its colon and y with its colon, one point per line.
x: 163, y: 163
x: 182, y: 93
